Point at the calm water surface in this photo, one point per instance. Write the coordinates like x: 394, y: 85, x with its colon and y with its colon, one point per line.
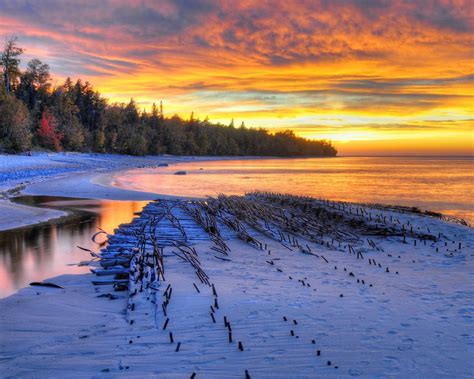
x: 41, y: 252
x: 438, y: 184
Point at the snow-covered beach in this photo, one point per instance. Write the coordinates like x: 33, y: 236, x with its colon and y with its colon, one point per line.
x: 400, y: 308
x: 66, y: 174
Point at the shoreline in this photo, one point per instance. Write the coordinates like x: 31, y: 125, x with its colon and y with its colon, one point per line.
x: 70, y: 181
x: 60, y: 174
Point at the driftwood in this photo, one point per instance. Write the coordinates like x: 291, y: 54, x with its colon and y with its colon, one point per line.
x: 46, y: 284
x: 134, y: 258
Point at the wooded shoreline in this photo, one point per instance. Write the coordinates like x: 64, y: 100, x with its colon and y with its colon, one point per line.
x: 76, y: 117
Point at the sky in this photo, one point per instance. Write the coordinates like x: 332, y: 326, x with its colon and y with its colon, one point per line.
x: 375, y: 77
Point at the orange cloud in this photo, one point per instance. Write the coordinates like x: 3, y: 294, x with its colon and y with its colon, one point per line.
x: 323, y: 68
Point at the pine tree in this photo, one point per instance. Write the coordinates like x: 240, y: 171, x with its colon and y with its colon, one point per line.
x: 10, y: 61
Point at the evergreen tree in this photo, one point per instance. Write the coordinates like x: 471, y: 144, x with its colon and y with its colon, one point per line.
x: 35, y: 85
x: 10, y: 61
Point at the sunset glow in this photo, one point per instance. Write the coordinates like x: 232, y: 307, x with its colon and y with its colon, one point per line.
x: 375, y: 77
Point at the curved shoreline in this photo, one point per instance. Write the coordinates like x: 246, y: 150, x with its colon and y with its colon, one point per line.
x: 71, y: 181
x: 85, y: 186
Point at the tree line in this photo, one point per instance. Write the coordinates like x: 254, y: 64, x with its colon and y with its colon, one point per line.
x: 75, y: 117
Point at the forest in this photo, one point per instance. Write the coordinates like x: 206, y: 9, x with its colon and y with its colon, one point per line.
x: 74, y: 116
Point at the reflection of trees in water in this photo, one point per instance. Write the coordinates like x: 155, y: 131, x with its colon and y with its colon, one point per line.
x: 43, y: 251
x: 37, y: 246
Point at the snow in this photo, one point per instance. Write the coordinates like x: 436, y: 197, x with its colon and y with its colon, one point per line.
x: 22, y: 169
x: 66, y: 174
x: 17, y: 215
x: 413, y: 321
x: 416, y: 320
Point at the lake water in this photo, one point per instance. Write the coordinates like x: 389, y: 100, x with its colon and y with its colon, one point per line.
x: 48, y: 250
x: 438, y: 184
x: 34, y: 254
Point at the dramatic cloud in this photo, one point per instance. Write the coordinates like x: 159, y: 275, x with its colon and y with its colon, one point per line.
x: 340, y: 69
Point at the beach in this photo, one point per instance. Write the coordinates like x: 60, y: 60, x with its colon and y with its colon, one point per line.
x: 66, y: 174
x: 375, y: 290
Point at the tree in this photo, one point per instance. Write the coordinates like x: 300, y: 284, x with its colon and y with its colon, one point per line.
x: 65, y: 113
x: 35, y: 85
x: 10, y: 61
x: 138, y: 145
x: 154, y: 116
x: 99, y: 145
x: 15, y: 124
x: 48, y: 135
x: 131, y: 113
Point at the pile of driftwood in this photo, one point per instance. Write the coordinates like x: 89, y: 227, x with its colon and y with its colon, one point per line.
x: 134, y: 256
x: 137, y: 254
